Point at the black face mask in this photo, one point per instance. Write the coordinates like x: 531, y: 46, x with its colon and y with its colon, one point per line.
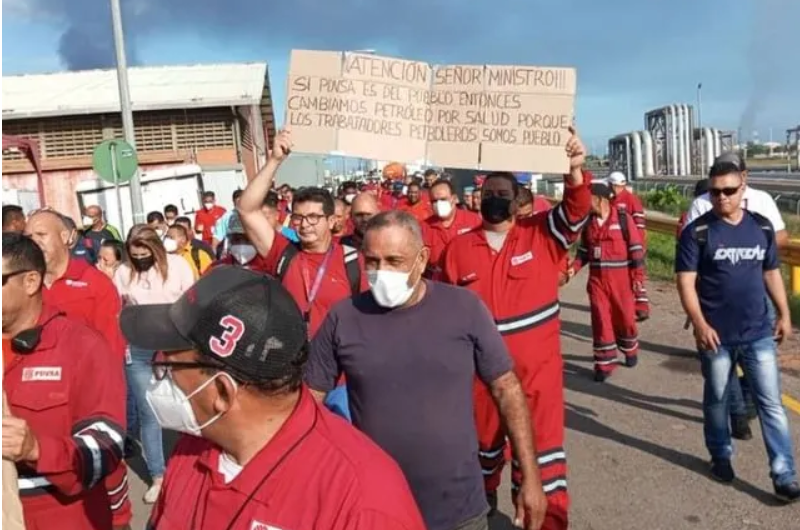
x: 143, y: 264
x: 495, y: 210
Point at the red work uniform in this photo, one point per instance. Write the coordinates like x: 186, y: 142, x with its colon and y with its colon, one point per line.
x: 421, y: 210
x: 317, y: 473
x: 615, y: 267
x: 71, y: 392
x: 519, y: 284
x: 540, y: 204
x: 630, y: 203
x: 437, y: 236
x: 204, y: 221
x: 88, y: 296
x: 305, y: 272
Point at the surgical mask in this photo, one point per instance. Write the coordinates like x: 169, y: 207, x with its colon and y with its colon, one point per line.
x: 170, y: 222
x: 443, y: 208
x: 87, y: 221
x: 208, y: 205
x: 390, y: 288
x: 172, y: 408
x: 170, y: 245
x: 143, y: 264
x: 496, y: 210
x: 160, y: 232
x: 243, y: 254
x: 349, y: 198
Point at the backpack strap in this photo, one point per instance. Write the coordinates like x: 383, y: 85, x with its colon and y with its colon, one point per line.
x: 353, y: 268
x: 765, y: 224
x: 623, y: 225
x: 701, y: 233
x: 285, y: 260
x: 351, y: 265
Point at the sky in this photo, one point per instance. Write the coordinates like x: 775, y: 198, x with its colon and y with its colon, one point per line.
x: 631, y: 55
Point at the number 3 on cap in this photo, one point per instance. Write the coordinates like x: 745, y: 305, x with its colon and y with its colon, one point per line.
x: 226, y: 343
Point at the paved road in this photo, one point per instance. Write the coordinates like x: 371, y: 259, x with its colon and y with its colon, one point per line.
x: 634, y: 443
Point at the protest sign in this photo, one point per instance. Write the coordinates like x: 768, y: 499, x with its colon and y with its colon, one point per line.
x: 383, y: 108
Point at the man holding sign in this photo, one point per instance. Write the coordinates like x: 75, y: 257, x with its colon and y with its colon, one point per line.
x: 514, y: 265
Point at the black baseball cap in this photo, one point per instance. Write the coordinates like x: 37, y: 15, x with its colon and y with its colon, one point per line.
x: 242, y: 320
x: 603, y: 190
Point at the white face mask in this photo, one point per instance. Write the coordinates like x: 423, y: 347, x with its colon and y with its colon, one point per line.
x: 170, y: 245
x: 87, y: 221
x: 243, y: 254
x: 390, y: 288
x: 172, y: 408
x: 442, y: 208
x: 208, y: 205
x: 349, y: 198
x: 160, y: 232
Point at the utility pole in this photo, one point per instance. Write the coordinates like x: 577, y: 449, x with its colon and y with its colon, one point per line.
x: 137, y: 206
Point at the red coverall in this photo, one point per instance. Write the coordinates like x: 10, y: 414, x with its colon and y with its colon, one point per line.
x: 437, y: 236
x: 88, y: 296
x: 519, y: 284
x: 71, y: 392
x: 615, y: 267
x: 627, y: 201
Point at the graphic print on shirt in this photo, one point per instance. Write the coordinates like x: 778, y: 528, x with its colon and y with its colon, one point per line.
x: 737, y: 254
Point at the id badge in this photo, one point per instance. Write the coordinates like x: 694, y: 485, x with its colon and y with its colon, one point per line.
x: 597, y: 252
x: 128, y: 359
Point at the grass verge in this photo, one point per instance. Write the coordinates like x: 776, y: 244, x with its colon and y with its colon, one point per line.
x: 661, y: 267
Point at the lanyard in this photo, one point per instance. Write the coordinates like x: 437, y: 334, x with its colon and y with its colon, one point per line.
x: 311, y: 294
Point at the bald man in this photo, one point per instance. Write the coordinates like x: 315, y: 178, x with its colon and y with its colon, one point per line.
x: 88, y: 296
x: 95, y: 229
x: 365, y: 207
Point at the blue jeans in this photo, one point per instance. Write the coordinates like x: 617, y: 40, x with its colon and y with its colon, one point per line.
x: 759, y: 359
x: 142, y: 423
x: 740, y: 393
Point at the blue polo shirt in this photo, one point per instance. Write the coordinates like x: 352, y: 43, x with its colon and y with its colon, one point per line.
x: 730, y: 269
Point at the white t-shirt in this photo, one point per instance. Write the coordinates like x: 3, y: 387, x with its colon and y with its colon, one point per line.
x: 228, y: 468
x: 753, y: 200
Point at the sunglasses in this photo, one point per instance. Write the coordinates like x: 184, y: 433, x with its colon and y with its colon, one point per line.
x: 10, y: 275
x: 728, y: 192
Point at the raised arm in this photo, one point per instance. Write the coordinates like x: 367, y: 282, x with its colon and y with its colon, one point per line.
x: 256, y: 225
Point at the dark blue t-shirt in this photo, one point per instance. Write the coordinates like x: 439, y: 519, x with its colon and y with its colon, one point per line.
x: 410, y: 374
x: 730, y: 269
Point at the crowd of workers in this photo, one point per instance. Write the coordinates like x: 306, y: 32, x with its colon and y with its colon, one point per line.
x: 245, y: 328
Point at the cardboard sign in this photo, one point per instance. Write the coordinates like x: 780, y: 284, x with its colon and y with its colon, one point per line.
x: 512, y: 118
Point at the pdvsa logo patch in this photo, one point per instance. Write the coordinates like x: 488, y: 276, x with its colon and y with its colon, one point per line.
x: 42, y: 373
x: 258, y: 525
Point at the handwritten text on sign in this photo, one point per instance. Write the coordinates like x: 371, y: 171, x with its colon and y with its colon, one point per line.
x: 495, y: 117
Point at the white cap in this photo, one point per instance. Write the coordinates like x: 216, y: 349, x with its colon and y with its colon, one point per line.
x: 617, y: 178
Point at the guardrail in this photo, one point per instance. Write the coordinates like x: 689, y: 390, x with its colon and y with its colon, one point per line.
x: 664, y: 224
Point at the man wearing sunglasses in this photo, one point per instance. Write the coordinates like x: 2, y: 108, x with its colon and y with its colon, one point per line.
x: 261, y: 452
x: 722, y: 284
x: 742, y: 408
x: 66, y: 393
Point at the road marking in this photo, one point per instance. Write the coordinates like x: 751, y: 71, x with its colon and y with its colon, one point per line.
x: 791, y: 403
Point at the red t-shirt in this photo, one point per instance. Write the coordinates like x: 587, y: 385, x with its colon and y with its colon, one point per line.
x: 334, y: 285
x: 421, y: 210
x: 317, y: 472
x: 89, y: 296
x: 204, y: 221
x: 540, y: 204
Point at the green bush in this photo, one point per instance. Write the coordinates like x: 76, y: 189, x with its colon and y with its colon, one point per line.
x: 667, y: 200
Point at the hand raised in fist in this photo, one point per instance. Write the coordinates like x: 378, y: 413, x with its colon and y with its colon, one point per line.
x: 281, y: 146
x: 575, y: 150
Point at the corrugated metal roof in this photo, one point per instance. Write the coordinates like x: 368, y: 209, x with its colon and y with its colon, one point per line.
x: 151, y: 88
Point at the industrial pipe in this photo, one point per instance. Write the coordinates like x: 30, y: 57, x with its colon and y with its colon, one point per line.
x: 679, y: 144
x: 637, y: 155
x: 648, y: 154
x: 672, y: 139
x: 687, y: 139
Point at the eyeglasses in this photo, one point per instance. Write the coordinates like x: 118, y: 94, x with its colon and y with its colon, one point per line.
x: 163, y: 368
x: 10, y: 275
x: 312, y: 219
x: 728, y: 192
